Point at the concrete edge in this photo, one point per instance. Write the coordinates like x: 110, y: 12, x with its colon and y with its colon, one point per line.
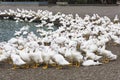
x: 45, y: 3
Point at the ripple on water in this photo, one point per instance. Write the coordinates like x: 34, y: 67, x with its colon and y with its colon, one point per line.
x: 8, y: 28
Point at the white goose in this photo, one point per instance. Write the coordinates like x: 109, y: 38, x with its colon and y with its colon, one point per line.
x: 24, y: 54
x: 90, y: 63
x: 116, y: 19
x: 17, y: 61
x: 36, y: 57
x: 60, y: 60
x: 107, y: 53
x: 92, y: 56
x: 46, y: 54
x: 3, y: 56
x: 77, y: 57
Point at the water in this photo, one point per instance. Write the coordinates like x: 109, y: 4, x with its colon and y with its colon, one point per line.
x: 8, y: 28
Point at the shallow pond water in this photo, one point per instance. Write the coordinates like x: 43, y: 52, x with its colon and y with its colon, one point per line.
x: 8, y: 28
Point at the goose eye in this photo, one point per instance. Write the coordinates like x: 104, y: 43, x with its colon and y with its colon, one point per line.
x: 40, y: 43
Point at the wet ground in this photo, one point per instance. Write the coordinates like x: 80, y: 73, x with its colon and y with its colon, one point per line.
x: 110, y: 71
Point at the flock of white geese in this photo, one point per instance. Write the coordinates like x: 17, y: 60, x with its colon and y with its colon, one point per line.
x: 77, y: 41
